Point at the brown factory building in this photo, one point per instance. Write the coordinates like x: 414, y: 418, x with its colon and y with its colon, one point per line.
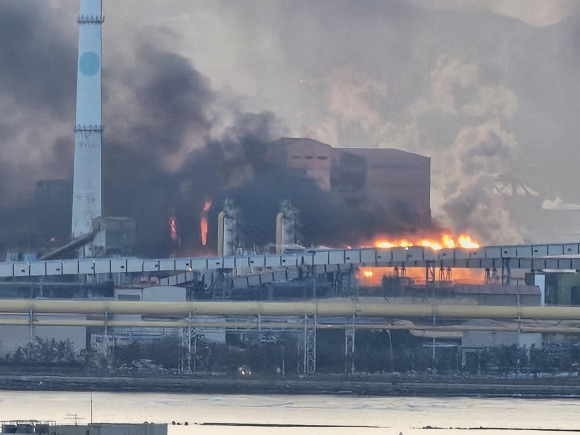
x: 361, y: 177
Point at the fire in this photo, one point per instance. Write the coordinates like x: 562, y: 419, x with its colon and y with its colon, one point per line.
x: 384, y: 244
x: 448, y: 241
x: 373, y: 276
x: 203, y: 221
x: 445, y: 241
x: 429, y: 244
x: 466, y: 242
x: 173, y: 229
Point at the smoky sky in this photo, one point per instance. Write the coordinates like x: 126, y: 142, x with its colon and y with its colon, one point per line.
x: 37, y: 82
x: 441, y: 68
x: 195, y: 92
x: 37, y: 63
x: 170, y: 109
x: 172, y: 96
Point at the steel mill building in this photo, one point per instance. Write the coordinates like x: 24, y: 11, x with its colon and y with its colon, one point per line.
x: 365, y: 178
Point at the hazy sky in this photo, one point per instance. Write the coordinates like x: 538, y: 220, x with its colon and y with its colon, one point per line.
x: 484, y: 87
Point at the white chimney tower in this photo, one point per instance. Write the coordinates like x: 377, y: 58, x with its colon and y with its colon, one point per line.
x: 88, y: 128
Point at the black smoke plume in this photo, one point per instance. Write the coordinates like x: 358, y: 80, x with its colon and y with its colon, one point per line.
x: 163, y: 153
x: 37, y: 89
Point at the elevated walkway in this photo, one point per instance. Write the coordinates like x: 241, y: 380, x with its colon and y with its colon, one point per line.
x: 528, y: 257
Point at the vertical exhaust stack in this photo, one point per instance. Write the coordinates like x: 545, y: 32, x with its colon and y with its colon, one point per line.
x: 228, y: 237
x: 287, y: 227
x: 88, y: 127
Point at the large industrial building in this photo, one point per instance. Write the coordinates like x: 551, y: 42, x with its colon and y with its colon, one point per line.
x: 364, y: 178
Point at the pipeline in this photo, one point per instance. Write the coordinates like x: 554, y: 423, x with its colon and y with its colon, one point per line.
x: 320, y: 308
x: 287, y: 326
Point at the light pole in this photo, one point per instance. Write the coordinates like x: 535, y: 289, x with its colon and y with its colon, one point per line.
x: 283, y: 362
x: 391, y: 349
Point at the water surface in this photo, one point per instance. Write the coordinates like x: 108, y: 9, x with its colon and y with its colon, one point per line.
x: 306, y: 414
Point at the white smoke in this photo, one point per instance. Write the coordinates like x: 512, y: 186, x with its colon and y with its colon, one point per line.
x: 480, y: 147
x: 538, y: 13
x: 326, y: 131
x: 471, y: 205
x: 493, y: 101
x: 353, y: 99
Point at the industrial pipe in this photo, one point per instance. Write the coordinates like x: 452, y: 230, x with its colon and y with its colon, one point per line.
x: 320, y: 308
x: 269, y: 326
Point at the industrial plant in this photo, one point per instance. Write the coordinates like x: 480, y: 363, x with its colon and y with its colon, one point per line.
x: 291, y: 257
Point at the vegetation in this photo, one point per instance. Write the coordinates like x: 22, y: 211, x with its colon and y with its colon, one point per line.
x: 45, y: 352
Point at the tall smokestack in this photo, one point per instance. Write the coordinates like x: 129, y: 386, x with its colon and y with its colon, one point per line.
x: 88, y: 128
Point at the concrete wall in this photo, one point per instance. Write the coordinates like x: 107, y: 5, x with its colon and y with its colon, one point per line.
x: 129, y: 294
x: 312, y: 158
x: 396, y: 180
x: 153, y: 294
x: 116, y: 235
x: 565, y: 283
x: 511, y: 300
x: 496, y: 339
x: 164, y: 294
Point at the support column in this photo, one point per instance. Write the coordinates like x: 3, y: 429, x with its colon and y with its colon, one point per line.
x: 308, y: 347
x: 429, y: 273
x: 491, y: 276
x: 349, y: 339
x: 189, y: 344
x: 506, y: 271
x: 31, y: 324
x: 106, y: 333
x: 445, y: 274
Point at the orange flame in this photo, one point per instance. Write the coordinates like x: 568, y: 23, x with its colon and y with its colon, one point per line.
x: 429, y: 244
x: 173, y: 228
x: 448, y: 241
x: 203, y: 221
x: 372, y: 276
x: 466, y: 242
x: 384, y: 244
x: 445, y: 241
